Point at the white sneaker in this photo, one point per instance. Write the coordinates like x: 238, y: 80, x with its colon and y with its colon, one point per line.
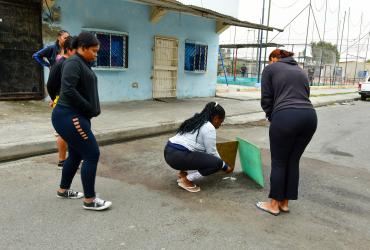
x: 97, y: 204
x: 70, y: 194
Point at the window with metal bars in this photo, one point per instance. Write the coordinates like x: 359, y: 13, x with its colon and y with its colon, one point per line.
x: 196, y: 57
x: 113, y: 52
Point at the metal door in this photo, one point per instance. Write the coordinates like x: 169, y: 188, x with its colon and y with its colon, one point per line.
x: 20, y: 37
x: 165, y: 68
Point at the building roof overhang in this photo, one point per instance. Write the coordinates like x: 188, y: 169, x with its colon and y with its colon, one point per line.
x: 161, y: 7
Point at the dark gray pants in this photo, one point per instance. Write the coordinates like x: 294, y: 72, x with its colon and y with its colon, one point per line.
x: 205, y: 163
x: 290, y: 132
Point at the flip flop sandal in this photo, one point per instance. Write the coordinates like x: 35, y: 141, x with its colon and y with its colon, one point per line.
x: 179, y: 180
x: 193, y: 189
x: 259, y: 206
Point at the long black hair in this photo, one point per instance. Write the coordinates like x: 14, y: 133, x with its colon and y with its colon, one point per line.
x: 69, y: 44
x: 194, y: 123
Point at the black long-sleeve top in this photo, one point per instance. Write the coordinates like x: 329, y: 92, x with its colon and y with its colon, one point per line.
x: 79, y: 87
x: 55, y: 77
x: 284, y: 85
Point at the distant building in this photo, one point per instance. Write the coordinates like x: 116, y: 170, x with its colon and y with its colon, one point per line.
x: 349, y: 70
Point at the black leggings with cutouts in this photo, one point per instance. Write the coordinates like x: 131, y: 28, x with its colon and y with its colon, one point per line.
x: 75, y: 129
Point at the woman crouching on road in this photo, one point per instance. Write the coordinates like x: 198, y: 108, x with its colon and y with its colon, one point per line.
x: 285, y: 99
x: 78, y: 103
x: 194, y: 147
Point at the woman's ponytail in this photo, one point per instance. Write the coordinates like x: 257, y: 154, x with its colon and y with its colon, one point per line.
x: 194, y: 123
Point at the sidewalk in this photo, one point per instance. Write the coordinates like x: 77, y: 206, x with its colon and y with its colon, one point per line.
x: 26, y: 128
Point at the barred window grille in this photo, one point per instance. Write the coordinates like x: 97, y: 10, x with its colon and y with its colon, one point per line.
x: 196, y: 57
x: 113, y: 52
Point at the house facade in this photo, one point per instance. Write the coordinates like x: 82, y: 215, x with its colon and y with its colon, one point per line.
x: 153, y: 55
x: 148, y: 48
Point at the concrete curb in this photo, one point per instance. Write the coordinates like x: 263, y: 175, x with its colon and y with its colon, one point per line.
x: 15, y: 152
x: 322, y: 104
x: 238, y: 99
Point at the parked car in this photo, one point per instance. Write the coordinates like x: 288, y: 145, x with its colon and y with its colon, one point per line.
x: 364, y: 89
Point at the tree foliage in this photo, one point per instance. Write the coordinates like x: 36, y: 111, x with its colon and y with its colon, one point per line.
x: 328, y: 51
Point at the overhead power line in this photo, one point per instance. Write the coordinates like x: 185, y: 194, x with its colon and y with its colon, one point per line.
x: 285, y: 7
x: 314, y: 18
x: 319, y: 9
x: 291, y: 21
x: 357, y: 42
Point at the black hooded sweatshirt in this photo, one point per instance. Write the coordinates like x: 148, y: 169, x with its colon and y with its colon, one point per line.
x: 79, y: 87
x: 284, y: 85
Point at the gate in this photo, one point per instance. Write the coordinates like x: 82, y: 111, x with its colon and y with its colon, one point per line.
x: 20, y: 37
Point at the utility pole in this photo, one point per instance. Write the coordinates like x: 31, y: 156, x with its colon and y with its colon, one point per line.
x: 358, y: 48
x: 260, y: 49
x: 289, y: 38
x: 254, y: 39
x: 341, y: 39
x: 338, y: 29
x: 323, y: 40
x: 367, y: 49
x: 345, y: 70
x: 336, y: 44
x: 257, y: 49
x: 267, y: 32
x: 308, y: 26
x: 232, y: 65
x: 247, y: 50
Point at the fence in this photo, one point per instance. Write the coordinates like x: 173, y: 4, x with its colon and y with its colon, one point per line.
x: 322, y: 68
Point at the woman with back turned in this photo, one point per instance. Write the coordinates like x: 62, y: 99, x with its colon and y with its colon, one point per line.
x: 285, y: 100
x: 78, y: 103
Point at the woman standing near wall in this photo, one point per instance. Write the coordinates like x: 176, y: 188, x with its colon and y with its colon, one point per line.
x: 285, y: 100
x: 53, y: 86
x: 78, y: 103
x: 53, y: 52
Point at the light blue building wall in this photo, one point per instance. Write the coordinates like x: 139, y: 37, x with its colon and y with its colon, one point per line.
x: 133, y: 18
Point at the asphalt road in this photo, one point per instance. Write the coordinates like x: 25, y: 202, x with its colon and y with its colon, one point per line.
x: 150, y: 212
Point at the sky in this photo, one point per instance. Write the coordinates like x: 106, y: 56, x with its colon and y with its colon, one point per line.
x: 283, y: 11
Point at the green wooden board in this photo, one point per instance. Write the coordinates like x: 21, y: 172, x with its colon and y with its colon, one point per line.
x: 250, y: 160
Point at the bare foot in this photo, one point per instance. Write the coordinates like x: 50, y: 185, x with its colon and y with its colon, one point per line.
x: 229, y: 170
x: 283, y: 206
x: 182, y: 174
x: 186, y: 182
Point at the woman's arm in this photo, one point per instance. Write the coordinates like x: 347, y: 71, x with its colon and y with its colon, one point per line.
x: 41, y: 54
x: 54, y: 80
x: 267, y: 93
x: 71, y: 73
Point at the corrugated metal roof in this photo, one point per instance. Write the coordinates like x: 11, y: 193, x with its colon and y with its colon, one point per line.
x: 173, y: 5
